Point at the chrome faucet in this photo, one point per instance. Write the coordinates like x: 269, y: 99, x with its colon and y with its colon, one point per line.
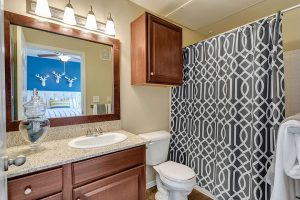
x: 96, y: 132
x: 99, y: 131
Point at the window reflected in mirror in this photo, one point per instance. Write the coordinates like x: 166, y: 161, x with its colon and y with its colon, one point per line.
x: 74, y: 77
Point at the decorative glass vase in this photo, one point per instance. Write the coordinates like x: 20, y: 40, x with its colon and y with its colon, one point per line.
x: 35, y: 126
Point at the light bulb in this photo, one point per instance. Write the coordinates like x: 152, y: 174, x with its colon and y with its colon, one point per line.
x: 110, y: 26
x: 42, y: 8
x: 91, y: 22
x: 69, y: 15
x: 64, y: 58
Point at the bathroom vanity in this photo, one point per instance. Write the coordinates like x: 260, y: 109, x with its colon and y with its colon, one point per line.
x: 113, y: 172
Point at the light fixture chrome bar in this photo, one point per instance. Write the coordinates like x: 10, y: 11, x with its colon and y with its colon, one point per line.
x: 57, y: 15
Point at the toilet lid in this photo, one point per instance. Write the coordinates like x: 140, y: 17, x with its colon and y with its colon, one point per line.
x: 176, y: 171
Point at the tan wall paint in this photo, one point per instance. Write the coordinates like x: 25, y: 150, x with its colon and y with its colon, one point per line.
x: 291, y: 44
x: 291, y: 30
x: 143, y: 109
x: 292, y: 83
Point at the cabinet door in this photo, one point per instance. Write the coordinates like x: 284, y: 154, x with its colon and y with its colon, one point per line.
x: 125, y: 185
x: 54, y: 197
x: 165, y: 52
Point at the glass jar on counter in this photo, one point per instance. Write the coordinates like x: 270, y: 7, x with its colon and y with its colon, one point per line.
x: 35, y: 126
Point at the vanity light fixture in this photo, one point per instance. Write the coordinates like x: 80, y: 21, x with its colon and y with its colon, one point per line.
x: 42, y: 8
x: 69, y: 14
x: 110, y: 26
x: 91, y: 22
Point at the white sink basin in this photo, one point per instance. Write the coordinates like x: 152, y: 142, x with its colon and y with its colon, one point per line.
x: 97, y: 141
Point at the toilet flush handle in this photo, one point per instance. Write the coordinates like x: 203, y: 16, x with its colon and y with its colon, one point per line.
x: 150, y: 143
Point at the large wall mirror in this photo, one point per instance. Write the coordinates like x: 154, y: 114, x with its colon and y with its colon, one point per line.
x: 76, y: 73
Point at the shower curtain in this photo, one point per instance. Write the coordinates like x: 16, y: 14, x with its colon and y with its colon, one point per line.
x: 225, y: 115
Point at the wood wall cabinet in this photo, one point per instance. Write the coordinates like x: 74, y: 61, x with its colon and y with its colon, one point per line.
x: 115, y: 176
x: 156, y: 51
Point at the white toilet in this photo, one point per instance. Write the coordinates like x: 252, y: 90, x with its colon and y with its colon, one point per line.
x: 174, y: 181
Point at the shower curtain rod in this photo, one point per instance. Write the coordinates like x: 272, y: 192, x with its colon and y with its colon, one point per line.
x: 270, y: 16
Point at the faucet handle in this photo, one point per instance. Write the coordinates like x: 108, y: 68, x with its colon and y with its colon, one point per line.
x: 98, y: 130
x: 88, y: 132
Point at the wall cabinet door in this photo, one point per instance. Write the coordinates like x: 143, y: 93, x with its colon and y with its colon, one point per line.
x: 129, y: 184
x: 165, y: 51
x: 156, y: 52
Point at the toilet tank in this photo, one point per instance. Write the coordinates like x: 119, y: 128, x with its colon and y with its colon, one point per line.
x: 157, y: 149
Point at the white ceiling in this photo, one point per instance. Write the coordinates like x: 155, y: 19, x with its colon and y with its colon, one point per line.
x: 196, y: 14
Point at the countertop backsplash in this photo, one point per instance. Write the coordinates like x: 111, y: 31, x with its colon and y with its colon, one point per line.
x: 63, y: 132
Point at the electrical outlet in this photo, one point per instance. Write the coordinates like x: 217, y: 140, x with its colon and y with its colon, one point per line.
x: 96, y: 99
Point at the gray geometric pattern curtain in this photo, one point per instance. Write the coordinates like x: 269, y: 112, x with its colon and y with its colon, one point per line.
x: 225, y: 115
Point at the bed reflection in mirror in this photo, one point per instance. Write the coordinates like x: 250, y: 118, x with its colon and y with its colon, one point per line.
x: 74, y: 77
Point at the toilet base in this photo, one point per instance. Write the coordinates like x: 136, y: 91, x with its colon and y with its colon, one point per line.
x: 178, y: 195
x: 164, y: 193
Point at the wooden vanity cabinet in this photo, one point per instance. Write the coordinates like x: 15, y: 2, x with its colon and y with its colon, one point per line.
x: 36, y: 186
x: 119, y: 175
x: 156, y: 52
x: 58, y: 196
x: 125, y: 185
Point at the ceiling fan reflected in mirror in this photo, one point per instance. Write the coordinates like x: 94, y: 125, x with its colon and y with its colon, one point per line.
x: 62, y: 57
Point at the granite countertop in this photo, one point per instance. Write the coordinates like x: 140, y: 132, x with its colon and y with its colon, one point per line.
x: 58, y: 152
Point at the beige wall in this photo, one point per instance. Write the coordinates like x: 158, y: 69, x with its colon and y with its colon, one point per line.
x: 291, y: 44
x: 292, y: 83
x: 291, y: 30
x: 143, y: 108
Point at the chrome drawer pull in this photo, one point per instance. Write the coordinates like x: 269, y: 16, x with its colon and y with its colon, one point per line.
x: 27, y: 190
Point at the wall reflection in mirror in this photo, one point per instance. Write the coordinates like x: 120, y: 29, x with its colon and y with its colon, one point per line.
x: 74, y: 77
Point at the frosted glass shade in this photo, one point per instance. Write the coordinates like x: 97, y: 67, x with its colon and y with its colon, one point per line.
x: 64, y: 58
x: 91, y: 22
x: 42, y: 8
x: 110, y: 27
x: 69, y: 15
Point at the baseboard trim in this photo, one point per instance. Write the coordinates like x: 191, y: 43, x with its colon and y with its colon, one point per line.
x: 150, y: 184
x: 205, y: 192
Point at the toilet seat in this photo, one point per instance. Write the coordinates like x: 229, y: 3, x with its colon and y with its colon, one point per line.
x: 178, y: 185
x: 175, y: 171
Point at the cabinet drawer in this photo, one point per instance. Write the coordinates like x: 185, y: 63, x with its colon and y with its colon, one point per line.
x: 127, y: 185
x: 93, y: 169
x: 36, y: 186
x: 54, y: 197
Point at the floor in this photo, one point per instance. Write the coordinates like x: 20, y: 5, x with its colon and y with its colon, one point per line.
x: 195, y: 195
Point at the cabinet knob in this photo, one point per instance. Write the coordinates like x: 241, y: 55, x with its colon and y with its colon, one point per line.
x: 27, y: 190
x: 18, y: 161
x: 78, y: 198
x: 152, y: 73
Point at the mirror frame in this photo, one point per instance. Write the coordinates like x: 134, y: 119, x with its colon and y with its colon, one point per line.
x: 34, y: 23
